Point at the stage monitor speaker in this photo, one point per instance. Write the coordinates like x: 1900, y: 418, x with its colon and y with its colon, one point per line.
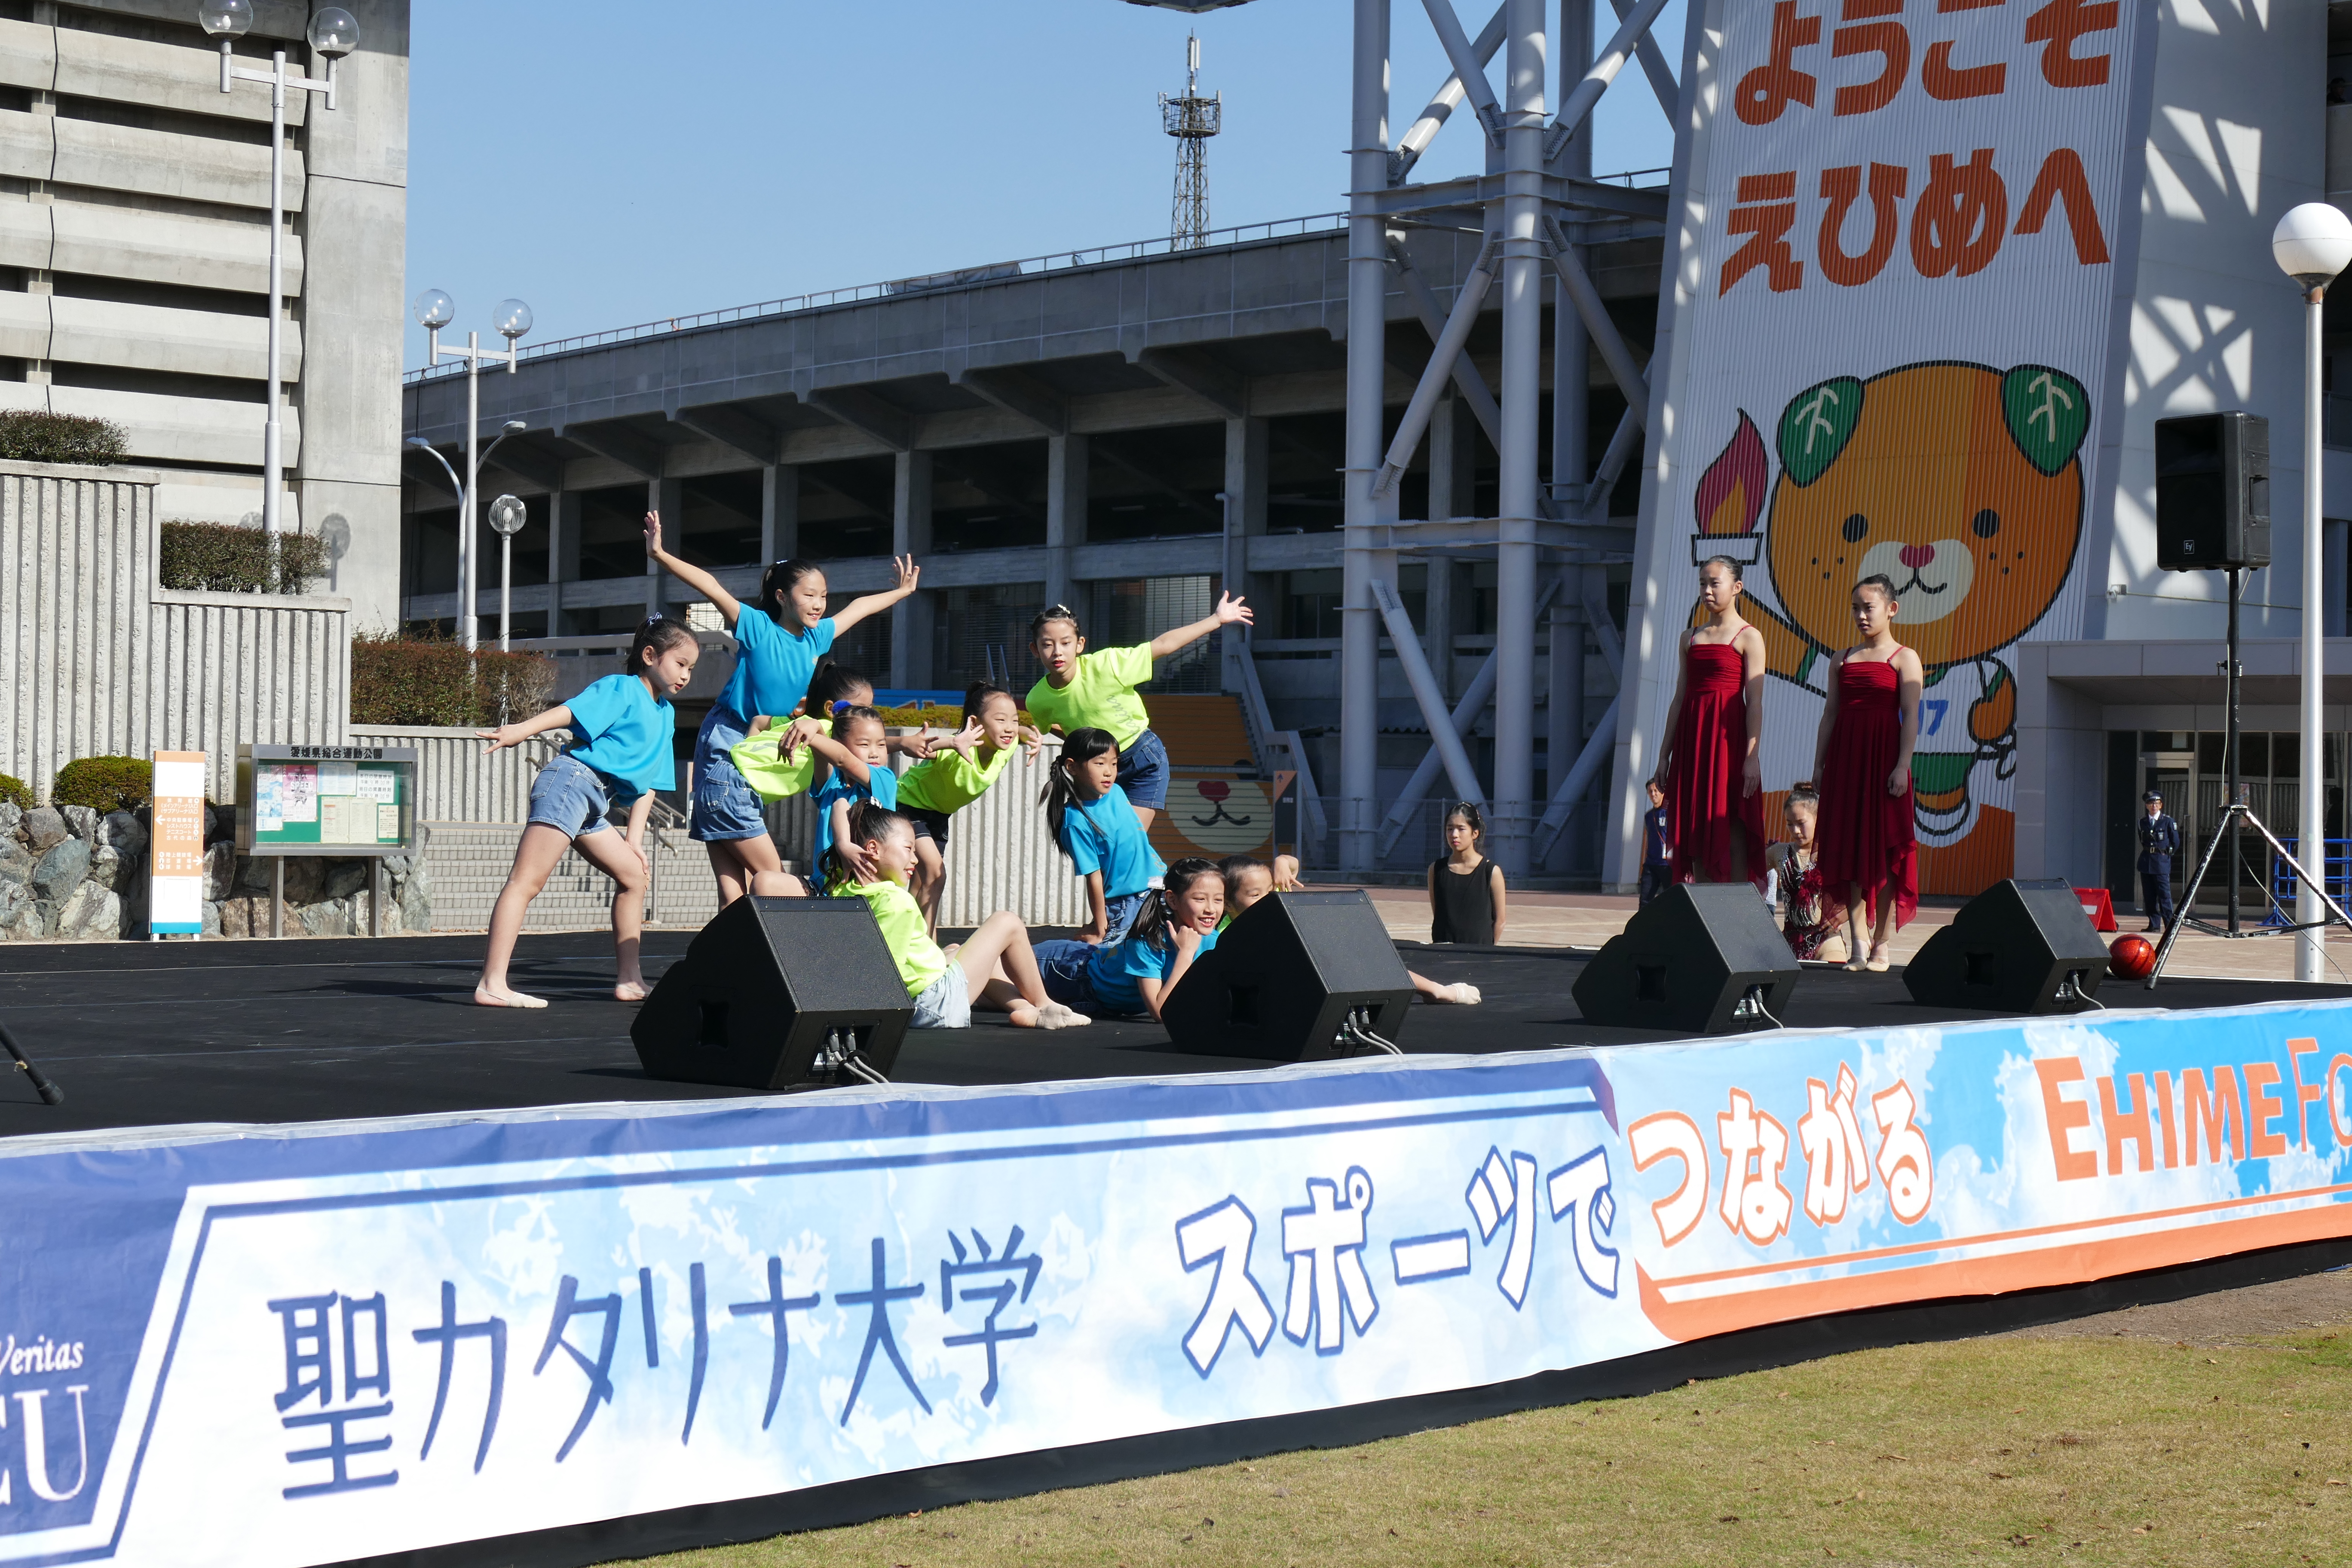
x: 2017, y: 947
x: 1699, y: 959
x: 778, y: 994
x: 2212, y: 492
x: 1298, y: 977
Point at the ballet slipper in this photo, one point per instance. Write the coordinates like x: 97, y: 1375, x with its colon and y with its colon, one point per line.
x: 486, y: 997
x: 1878, y: 958
x: 1833, y: 943
x: 631, y: 990
x: 1461, y: 994
x: 1055, y: 1015
x: 1023, y: 1015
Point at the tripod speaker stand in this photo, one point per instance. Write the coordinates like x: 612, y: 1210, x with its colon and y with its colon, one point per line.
x: 2226, y: 831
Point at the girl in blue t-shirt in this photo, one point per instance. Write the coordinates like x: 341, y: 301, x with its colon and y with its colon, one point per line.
x: 777, y: 648
x: 858, y: 749
x: 1177, y: 923
x: 623, y: 730
x: 1099, y: 830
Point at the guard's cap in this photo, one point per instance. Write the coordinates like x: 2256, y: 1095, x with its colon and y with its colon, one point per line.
x: 2156, y: 795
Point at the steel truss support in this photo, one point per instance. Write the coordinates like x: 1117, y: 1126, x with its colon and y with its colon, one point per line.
x: 1537, y: 200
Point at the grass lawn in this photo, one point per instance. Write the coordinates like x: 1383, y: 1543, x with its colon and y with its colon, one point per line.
x: 2105, y: 1441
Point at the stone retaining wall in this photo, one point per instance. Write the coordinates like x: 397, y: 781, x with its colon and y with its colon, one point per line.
x: 68, y: 874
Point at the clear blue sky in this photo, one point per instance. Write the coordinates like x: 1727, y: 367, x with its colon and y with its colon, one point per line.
x: 616, y: 163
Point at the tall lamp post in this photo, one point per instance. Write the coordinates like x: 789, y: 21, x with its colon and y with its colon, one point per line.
x: 334, y: 33
x: 465, y: 499
x: 507, y: 516
x: 2312, y: 243
x: 435, y: 310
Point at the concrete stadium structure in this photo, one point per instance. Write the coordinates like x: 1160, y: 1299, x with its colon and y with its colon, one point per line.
x: 134, y: 199
x: 1122, y: 429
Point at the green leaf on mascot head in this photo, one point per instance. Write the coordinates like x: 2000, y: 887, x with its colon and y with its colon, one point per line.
x: 2048, y: 414
x: 1816, y: 425
x: 1941, y: 772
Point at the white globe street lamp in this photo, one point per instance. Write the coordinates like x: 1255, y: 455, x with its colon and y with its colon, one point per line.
x: 434, y: 310
x: 2312, y: 243
x: 333, y: 34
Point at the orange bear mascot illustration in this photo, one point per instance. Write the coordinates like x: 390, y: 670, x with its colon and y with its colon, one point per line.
x: 1960, y: 483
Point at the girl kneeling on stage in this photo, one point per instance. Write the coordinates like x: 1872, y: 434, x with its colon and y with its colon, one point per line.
x: 1177, y: 923
x: 621, y: 752
x: 993, y: 969
x: 1090, y: 818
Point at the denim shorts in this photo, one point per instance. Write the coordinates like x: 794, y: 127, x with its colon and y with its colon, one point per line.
x: 1122, y: 912
x: 726, y: 807
x: 574, y: 798
x: 1143, y: 773
x: 1064, y: 964
x: 945, y: 1003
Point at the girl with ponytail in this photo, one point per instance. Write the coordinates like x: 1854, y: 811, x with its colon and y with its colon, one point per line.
x: 1090, y: 817
x: 622, y: 728
x: 778, y: 642
x: 1176, y: 923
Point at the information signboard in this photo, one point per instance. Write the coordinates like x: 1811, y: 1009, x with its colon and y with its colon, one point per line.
x: 343, y: 801
x: 176, y: 861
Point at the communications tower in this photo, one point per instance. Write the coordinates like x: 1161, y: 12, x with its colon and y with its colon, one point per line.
x: 1191, y: 120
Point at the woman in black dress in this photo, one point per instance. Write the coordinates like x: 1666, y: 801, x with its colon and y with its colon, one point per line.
x: 1466, y: 888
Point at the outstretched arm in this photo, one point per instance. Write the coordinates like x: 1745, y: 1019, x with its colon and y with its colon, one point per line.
x: 1229, y: 610
x: 730, y: 609
x: 856, y: 610
x: 556, y: 718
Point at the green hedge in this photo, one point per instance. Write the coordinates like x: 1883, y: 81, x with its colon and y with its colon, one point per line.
x: 105, y: 783
x: 16, y: 792
x: 434, y: 681
x: 227, y: 558
x: 36, y: 435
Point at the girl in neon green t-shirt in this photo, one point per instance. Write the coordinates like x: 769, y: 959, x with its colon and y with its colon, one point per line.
x: 1081, y: 690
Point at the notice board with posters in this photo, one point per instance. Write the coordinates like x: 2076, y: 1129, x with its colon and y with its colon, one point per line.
x: 1900, y: 243
x: 344, y: 801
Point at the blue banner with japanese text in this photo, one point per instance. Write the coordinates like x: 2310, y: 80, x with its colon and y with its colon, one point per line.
x: 299, y: 1345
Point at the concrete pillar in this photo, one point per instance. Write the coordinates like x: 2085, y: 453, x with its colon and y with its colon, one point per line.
x: 1564, y: 691
x: 1065, y: 511
x: 562, y: 558
x: 1453, y: 475
x: 779, y: 512
x: 1517, y: 556
x: 1437, y: 622
x: 1246, y: 449
x: 667, y: 497
x: 1571, y: 348
x: 1368, y: 285
x: 910, y: 534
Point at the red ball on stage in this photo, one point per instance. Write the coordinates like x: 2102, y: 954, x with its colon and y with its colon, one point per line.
x: 2131, y: 958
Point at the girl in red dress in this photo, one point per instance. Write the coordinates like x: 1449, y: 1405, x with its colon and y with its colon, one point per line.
x: 1709, y: 771
x: 1863, y: 759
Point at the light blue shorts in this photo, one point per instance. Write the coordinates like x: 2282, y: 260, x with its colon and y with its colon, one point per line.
x: 574, y: 798
x: 726, y: 807
x: 945, y: 1003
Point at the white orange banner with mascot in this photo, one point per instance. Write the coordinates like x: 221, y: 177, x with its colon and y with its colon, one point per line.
x: 1902, y: 232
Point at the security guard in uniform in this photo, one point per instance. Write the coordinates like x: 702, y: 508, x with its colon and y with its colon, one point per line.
x: 2160, y: 841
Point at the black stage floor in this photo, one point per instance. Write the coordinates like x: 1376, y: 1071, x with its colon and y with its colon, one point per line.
x: 318, y: 1029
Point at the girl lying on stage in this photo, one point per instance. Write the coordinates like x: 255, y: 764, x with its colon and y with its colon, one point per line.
x: 621, y: 752
x: 993, y: 968
x: 1177, y: 923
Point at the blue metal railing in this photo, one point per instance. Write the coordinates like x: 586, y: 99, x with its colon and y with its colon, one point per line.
x: 2336, y: 876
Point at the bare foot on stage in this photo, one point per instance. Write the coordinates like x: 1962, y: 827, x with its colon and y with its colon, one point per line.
x: 486, y: 997
x: 631, y: 990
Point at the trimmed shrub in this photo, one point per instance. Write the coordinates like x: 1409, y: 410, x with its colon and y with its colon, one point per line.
x: 226, y: 558
x: 105, y: 783
x: 36, y: 436
x: 16, y: 792
x: 433, y: 681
